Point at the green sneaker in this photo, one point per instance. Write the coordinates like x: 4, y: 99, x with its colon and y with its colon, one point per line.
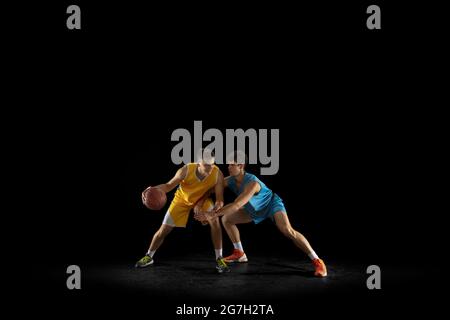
x: 144, y: 262
x: 222, y: 266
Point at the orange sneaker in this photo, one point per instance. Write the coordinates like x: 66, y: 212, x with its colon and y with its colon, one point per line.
x: 237, y: 256
x: 321, y: 269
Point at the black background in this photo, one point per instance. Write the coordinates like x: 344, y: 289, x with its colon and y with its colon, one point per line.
x: 352, y: 105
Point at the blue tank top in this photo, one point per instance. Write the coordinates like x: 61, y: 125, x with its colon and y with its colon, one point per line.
x: 259, y: 201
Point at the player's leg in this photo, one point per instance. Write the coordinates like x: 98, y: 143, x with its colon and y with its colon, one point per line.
x: 284, y: 225
x: 157, y: 240
x: 159, y: 237
x: 216, y: 237
x: 176, y: 216
x: 216, y: 229
x: 229, y: 222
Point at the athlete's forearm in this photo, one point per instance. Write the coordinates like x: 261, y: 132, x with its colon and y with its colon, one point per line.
x: 218, y: 189
x: 165, y: 187
x: 229, y: 208
x: 175, y: 181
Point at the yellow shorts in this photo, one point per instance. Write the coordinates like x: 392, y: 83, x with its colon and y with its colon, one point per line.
x: 178, y: 213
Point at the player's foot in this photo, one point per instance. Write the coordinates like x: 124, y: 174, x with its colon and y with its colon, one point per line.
x: 222, y: 266
x: 321, y: 269
x: 144, y: 262
x: 237, y: 256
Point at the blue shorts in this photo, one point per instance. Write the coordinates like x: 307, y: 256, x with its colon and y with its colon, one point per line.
x: 275, y: 205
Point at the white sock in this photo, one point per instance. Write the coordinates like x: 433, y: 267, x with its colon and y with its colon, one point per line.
x: 312, y: 255
x: 238, y: 245
x: 218, y: 253
x: 151, y: 253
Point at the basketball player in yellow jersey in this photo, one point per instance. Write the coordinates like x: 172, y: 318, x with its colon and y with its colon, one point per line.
x: 194, y: 180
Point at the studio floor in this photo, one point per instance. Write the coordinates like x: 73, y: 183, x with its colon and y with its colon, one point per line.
x: 285, y: 283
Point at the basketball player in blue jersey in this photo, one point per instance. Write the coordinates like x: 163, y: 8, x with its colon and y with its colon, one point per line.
x: 256, y: 202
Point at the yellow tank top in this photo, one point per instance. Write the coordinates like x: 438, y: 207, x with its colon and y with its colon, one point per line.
x: 191, y: 188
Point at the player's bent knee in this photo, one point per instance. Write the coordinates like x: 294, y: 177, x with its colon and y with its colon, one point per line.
x: 226, y: 219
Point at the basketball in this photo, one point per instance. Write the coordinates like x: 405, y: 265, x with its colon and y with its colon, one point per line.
x: 154, y: 198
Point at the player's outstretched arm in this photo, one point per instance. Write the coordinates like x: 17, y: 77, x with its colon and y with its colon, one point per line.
x: 241, y: 200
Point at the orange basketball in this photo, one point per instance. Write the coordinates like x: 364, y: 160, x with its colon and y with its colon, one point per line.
x: 154, y: 198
